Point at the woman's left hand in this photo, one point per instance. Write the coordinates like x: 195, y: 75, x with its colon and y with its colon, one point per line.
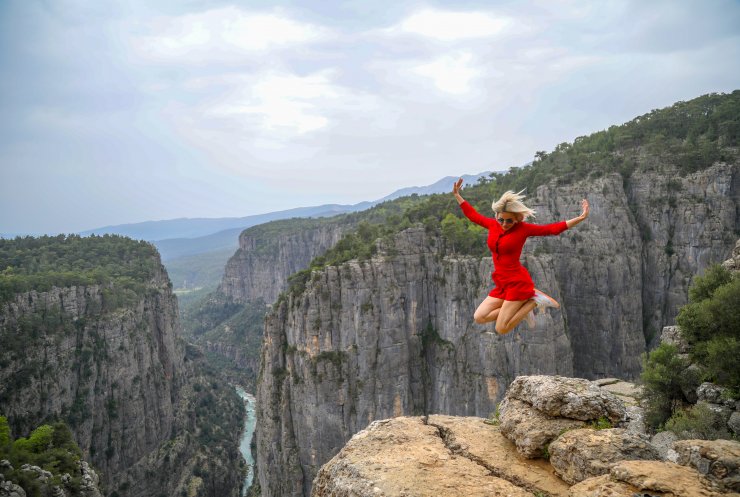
x: 584, y: 209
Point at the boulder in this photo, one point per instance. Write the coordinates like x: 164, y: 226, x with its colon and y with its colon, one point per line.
x: 663, y: 442
x: 719, y: 460
x: 529, y: 429
x: 580, y: 454
x: 635, y: 420
x: 672, y: 336
x: 10, y: 489
x: 714, y: 394
x: 734, y: 423
x: 574, y: 398
x: 630, y: 478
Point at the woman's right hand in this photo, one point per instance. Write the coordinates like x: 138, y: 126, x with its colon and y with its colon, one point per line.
x: 456, y: 187
x: 456, y: 191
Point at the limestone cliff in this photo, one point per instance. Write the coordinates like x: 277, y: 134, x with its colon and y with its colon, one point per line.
x: 118, y: 373
x: 393, y: 336
x: 269, y: 254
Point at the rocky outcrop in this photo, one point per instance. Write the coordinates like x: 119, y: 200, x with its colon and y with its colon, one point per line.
x: 446, y: 455
x: 580, y: 454
x: 268, y: 254
x: 573, y: 398
x: 537, y: 409
x: 531, y: 430
x: 443, y: 455
x: 630, y: 478
x: 718, y: 460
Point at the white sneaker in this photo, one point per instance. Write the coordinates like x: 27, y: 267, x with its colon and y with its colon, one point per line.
x: 544, y: 301
x: 531, y: 323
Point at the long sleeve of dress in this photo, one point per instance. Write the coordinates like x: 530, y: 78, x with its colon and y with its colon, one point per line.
x: 546, y: 229
x: 476, y: 217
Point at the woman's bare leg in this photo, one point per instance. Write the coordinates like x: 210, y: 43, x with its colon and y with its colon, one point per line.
x: 511, y: 314
x: 488, y: 310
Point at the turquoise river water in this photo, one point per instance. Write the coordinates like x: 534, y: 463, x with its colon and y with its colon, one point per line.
x: 249, y: 425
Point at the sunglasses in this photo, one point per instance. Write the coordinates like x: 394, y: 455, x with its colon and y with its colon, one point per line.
x: 505, y: 221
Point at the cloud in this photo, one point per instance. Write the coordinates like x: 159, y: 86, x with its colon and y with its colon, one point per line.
x: 224, y: 33
x: 450, y: 73
x: 447, y: 25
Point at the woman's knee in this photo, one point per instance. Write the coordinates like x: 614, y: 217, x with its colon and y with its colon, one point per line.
x: 479, y: 318
x: 502, y: 328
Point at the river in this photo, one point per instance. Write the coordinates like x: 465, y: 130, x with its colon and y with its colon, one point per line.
x: 249, y: 425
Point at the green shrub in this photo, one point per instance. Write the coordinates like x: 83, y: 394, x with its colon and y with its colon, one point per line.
x: 663, y: 377
x: 602, y: 423
x: 698, y: 422
x: 710, y: 324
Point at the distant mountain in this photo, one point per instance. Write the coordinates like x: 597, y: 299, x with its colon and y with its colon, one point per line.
x: 175, y: 230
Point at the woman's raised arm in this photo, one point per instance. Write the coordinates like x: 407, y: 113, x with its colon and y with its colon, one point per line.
x: 584, y: 214
x: 468, y: 209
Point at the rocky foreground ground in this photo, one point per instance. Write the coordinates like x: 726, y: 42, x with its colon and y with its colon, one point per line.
x: 551, y: 438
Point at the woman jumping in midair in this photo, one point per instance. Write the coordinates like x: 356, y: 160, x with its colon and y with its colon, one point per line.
x: 514, y: 297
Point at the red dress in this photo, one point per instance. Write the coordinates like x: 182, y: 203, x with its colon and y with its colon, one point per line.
x: 512, y: 280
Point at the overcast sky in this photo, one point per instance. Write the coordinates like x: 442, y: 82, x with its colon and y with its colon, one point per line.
x: 114, y: 112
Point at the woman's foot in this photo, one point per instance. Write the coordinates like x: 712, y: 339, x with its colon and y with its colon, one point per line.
x: 544, y: 301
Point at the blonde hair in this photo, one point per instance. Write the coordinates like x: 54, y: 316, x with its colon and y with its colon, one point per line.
x: 512, y: 202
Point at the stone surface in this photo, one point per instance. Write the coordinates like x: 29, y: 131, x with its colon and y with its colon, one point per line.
x: 405, y: 457
x: 655, y: 478
x: 485, y: 444
x: 574, y: 398
x: 627, y: 392
x: 663, y: 441
x: 719, y: 460
x: 635, y: 419
x: 715, y: 394
x: 580, y: 454
x: 529, y: 429
x: 672, y: 335
x: 10, y: 489
x: 733, y: 263
x: 734, y: 422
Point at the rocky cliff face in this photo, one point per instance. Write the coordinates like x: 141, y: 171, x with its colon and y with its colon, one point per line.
x: 394, y: 335
x: 113, y: 374
x: 261, y: 266
x: 120, y: 378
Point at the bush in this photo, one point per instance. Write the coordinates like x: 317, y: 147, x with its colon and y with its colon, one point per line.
x: 664, y: 379
x: 710, y: 324
x: 698, y: 422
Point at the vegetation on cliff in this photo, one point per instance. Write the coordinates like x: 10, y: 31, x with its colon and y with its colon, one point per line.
x: 686, y: 137
x: 49, y: 447
x: 710, y: 325
x: 39, y: 264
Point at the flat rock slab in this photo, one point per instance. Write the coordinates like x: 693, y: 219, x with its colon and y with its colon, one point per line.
x: 581, y: 454
x: 624, y: 389
x: 574, y: 398
x: 655, y: 478
x: 485, y: 444
x: 529, y: 429
x: 403, y: 457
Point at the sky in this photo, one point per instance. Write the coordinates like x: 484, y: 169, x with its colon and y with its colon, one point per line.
x: 126, y: 111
